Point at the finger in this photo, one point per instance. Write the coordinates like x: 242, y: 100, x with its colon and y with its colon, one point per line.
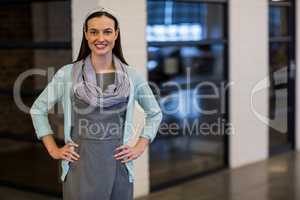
x: 124, y: 156
x: 65, y: 157
x: 123, y: 152
x: 70, y: 151
x: 75, y: 154
x: 121, y: 157
x: 126, y: 160
x: 122, y: 147
x: 67, y: 150
x: 70, y: 156
x: 72, y: 144
x: 131, y: 157
x: 67, y: 154
x: 73, y: 157
x: 68, y: 147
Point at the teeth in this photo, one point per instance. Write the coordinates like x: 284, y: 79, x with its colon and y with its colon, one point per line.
x: 100, y: 45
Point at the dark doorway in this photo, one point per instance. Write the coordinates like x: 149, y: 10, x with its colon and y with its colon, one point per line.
x: 34, y: 35
x: 282, y: 76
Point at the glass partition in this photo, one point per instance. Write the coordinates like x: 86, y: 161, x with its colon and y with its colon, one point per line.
x: 187, y: 69
x: 282, y: 75
x: 31, y: 38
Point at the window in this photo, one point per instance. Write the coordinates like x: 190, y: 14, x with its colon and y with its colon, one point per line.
x: 187, y: 47
x: 31, y: 38
x: 282, y: 74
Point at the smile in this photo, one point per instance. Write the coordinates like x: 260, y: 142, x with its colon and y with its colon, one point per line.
x: 101, y: 46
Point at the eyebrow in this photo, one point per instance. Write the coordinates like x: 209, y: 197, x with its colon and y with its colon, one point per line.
x: 95, y: 29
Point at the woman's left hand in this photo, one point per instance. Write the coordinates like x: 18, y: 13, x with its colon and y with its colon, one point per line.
x: 127, y: 153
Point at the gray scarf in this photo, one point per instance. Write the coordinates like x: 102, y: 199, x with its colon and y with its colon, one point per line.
x: 85, y: 84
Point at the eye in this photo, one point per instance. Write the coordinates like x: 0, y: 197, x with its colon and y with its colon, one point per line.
x: 107, y: 32
x: 93, y: 32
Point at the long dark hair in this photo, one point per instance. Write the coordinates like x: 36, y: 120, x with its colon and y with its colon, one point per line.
x: 84, y: 48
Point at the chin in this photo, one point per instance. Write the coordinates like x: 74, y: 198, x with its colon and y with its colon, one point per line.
x: 102, y: 52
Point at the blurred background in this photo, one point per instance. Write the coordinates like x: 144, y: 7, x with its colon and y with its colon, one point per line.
x: 224, y: 46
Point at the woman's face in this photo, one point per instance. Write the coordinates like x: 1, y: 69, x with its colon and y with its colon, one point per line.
x: 101, y: 35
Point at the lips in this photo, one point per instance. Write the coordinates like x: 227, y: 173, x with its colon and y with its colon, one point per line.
x: 100, y: 46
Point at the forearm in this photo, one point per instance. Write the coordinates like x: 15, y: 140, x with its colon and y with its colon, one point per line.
x: 49, y: 143
x: 153, y: 113
x: 142, y: 143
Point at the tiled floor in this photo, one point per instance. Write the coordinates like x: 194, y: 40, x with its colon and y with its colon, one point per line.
x: 275, y: 179
x: 177, y: 157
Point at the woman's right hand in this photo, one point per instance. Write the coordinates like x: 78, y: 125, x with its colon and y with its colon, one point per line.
x: 67, y: 152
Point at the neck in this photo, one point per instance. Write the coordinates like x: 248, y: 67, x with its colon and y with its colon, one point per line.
x: 102, y: 63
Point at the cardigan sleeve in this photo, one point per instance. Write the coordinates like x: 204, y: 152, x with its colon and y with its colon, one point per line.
x: 45, y: 101
x: 148, y: 102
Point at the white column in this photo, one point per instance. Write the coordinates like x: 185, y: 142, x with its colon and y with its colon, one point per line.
x: 79, y: 11
x: 132, y: 19
x: 248, y: 58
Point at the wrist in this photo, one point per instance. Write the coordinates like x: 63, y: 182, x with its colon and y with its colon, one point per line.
x: 141, y: 145
x: 53, y: 150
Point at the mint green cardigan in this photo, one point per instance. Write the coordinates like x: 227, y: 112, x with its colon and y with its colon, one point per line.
x: 59, y: 90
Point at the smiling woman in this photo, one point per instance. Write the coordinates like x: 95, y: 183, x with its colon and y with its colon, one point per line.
x: 101, y: 35
x: 97, y: 162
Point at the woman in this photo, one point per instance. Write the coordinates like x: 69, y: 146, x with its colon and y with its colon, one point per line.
x: 97, y: 92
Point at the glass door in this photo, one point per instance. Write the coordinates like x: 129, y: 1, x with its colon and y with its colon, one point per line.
x: 187, y: 68
x: 31, y: 38
x: 282, y: 75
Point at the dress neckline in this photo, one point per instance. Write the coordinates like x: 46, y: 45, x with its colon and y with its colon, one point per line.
x: 105, y: 73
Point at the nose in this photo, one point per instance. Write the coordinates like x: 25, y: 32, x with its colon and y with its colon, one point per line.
x: 100, y: 37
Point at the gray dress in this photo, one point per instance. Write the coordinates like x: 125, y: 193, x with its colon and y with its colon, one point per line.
x: 97, y: 175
